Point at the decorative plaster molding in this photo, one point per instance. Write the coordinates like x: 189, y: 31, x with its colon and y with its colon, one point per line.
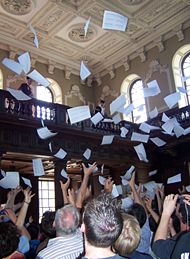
x: 126, y: 64
x: 179, y: 32
x: 68, y: 73
x: 142, y: 54
x: 98, y: 79
x: 89, y: 81
x: 107, y: 91
x: 75, y: 91
x: 51, y: 67
x: 159, y: 43
x: 111, y: 71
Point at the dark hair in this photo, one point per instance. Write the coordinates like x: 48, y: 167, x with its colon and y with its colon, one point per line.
x: 47, y: 224
x: 102, y: 101
x: 138, y: 212
x: 184, y: 210
x: 33, y: 230
x: 9, y: 238
x: 103, y: 221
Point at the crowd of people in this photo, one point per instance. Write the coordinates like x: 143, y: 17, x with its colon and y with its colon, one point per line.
x: 102, y: 226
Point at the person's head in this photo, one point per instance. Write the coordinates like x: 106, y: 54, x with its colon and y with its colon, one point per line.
x: 67, y: 220
x: 33, y: 230
x: 9, y: 238
x: 184, y: 212
x: 102, y: 221
x: 102, y: 103
x: 29, y: 80
x: 47, y: 224
x: 129, y: 238
x: 138, y: 212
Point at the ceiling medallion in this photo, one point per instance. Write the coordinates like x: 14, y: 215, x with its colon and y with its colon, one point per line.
x: 77, y: 34
x: 17, y: 7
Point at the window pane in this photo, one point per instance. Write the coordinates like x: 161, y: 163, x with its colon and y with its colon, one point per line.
x: 186, y: 77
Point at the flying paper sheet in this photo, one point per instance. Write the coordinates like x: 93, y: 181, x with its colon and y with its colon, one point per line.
x: 24, y: 60
x: 86, y: 26
x: 152, y: 172
x: 150, y: 194
x: 128, y: 173
x: 102, y: 169
x: 50, y: 146
x: 169, y: 125
x: 116, y: 118
x: 174, y: 179
x: 158, y: 142
x: 64, y: 174
x: 84, y: 71
x: 38, y: 167
x: 182, y: 90
x: 35, y: 36
x: 153, y: 113
x: 45, y: 133
x: 114, y: 21
x: 95, y: 169
x: 101, y: 180
x: 3, y: 173
x: 186, y: 131
x: 96, y: 118
x: 12, y: 65
x: 79, y: 113
x: 11, y: 180
x: 87, y: 153
x: 150, y: 186
x: 141, y: 153
x: 188, y: 188
x: 124, y: 132
x: 145, y: 127
x: 178, y: 130
x: 172, y: 99
x: 127, y: 109
x: 107, y: 140
x: 18, y: 94
x: 60, y: 154
x: 27, y: 182
x: 36, y: 76
x: 165, y: 118
x: 152, y: 89
x: 119, y: 189
x: 118, y: 104
x: 126, y: 203
x: 139, y: 137
x: 115, y: 192
x: 124, y: 182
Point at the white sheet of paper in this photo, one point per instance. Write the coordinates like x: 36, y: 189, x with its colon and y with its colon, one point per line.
x: 158, y: 141
x: 169, y: 125
x: 27, y: 182
x: 172, y: 99
x: 86, y: 26
x: 141, y: 153
x: 60, y: 154
x: 116, y: 118
x: 114, y: 21
x: 79, y: 113
x: 127, y: 175
x: 117, y: 104
x: 35, y: 36
x: 38, y: 167
x: 150, y: 186
x: 182, y: 90
x: 128, y: 109
x: 18, y: 94
x: 145, y: 127
x: 64, y: 173
x: 153, y: 172
x: 24, y: 60
x: 3, y: 173
x: 174, y: 179
x: 126, y: 203
x: 95, y: 169
x: 188, y: 188
x: 140, y: 107
x: 178, y: 130
x: 87, y: 153
x: 115, y: 192
x: 153, y: 113
x: 101, y: 180
x: 107, y: 140
x: 12, y: 65
x: 124, y: 132
x: 139, y: 137
x: 11, y: 180
x: 186, y: 131
x: 45, y: 133
x: 150, y: 194
x: 84, y: 71
x: 102, y: 169
x: 96, y: 118
x: 165, y: 118
x: 119, y: 189
x: 36, y: 76
x: 152, y: 89
x: 124, y: 182
x: 50, y: 146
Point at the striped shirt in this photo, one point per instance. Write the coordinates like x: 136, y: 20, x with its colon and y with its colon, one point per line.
x: 67, y: 247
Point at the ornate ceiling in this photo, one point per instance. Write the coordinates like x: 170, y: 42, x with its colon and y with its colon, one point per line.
x: 59, y: 26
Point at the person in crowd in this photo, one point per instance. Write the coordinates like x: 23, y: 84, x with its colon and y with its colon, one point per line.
x: 101, y: 108
x: 102, y: 225
x: 178, y: 246
x: 68, y: 242
x: 129, y: 239
x: 26, y: 87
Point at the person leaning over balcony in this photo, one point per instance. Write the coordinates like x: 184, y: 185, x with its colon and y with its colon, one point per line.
x: 26, y: 87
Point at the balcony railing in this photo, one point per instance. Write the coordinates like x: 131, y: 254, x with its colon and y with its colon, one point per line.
x: 56, y: 114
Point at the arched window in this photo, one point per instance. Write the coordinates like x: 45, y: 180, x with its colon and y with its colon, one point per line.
x: 1, y: 79
x: 44, y: 94
x: 132, y: 87
x: 181, y: 71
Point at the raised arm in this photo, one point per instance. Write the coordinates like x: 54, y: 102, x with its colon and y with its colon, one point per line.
x: 64, y: 188
x: 11, y: 198
x: 136, y: 196
x: 148, y: 204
